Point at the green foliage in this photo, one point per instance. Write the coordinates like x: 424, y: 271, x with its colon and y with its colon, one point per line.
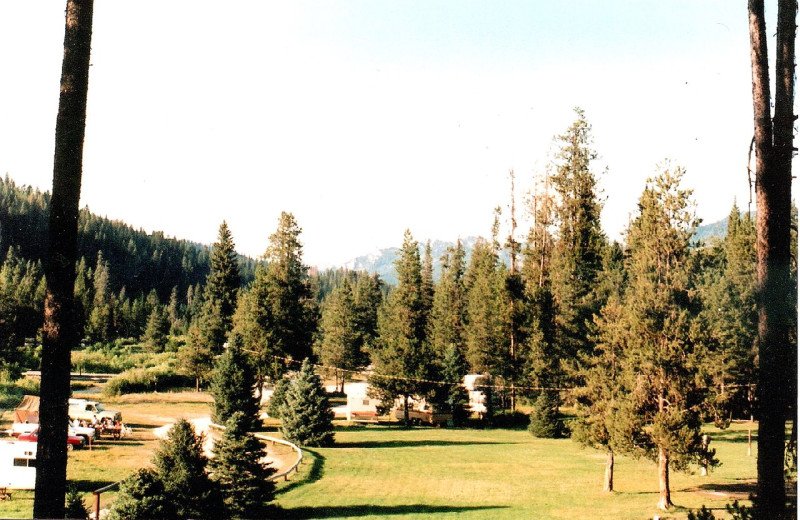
x: 155, y: 335
x: 76, y: 507
x: 181, y: 465
x: 402, y: 350
x: 278, y: 317
x: 233, y: 389
x: 578, y: 252
x: 545, y: 421
x: 278, y: 398
x: 306, y: 416
x: 222, y: 284
x: 238, y: 469
x: 154, y: 379
x: 735, y: 510
x: 142, y: 497
x: 12, y: 389
x: 487, y: 328
x: 342, y: 343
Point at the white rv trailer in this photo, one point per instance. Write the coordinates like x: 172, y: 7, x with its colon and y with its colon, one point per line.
x: 18, y: 465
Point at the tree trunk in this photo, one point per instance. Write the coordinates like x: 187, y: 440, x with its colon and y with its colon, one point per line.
x: 665, y: 501
x: 608, y: 482
x: 406, y: 418
x: 59, y: 333
x: 773, y: 145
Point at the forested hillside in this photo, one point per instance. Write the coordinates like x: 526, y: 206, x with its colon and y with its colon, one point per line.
x: 141, y: 261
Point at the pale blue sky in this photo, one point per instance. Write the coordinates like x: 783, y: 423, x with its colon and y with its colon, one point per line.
x: 366, y: 118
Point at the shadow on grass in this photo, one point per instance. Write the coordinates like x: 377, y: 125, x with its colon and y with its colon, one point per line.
x: 410, y: 444
x: 314, y: 474
x: 734, y: 436
x: 87, y: 486
x: 739, y: 490
x: 369, y: 510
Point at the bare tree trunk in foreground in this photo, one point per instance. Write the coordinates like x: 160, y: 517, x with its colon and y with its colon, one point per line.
x: 773, y: 144
x: 59, y: 332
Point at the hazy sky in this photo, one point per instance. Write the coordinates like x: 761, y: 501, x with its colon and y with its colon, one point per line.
x: 365, y: 118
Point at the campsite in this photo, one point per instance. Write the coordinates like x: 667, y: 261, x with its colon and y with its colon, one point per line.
x: 379, y: 469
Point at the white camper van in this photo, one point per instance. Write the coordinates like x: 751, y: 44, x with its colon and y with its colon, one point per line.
x: 18, y: 465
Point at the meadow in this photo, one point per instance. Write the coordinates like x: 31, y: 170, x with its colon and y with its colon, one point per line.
x: 385, y: 471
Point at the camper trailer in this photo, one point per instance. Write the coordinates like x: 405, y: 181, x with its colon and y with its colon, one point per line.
x: 18, y: 465
x: 360, y: 406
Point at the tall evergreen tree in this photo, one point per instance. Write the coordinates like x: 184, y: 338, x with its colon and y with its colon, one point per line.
x: 282, y: 306
x: 402, y: 351
x: 222, y: 285
x: 239, y: 469
x: 578, y: 252
x: 729, y: 294
x: 341, y: 341
x: 99, y: 326
x: 306, y: 415
x: 486, y: 333
x: 661, y: 356
x: 233, y: 389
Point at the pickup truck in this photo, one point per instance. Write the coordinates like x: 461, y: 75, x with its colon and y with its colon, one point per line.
x: 85, y: 410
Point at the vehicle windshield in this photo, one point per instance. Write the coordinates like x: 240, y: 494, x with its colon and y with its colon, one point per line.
x: 99, y: 407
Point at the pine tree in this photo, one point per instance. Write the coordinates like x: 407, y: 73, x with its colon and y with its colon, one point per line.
x: 341, y: 341
x: 76, y: 507
x: 222, y: 287
x: 729, y: 294
x: 142, y: 497
x: 282, y: 309
x: 233, y: 389
x: 240, y: 472
x: 100, y: 317
x: 181, y: 465
x: 486, y: 333
x: 661, y: 356
x: 306, y: 416
x: 195, y: 358
x: 401, y: 351
x: 545, y: 422
x: 155, y: 335
x: 578, y: 252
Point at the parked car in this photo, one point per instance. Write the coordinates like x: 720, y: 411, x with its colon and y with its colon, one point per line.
x: 72, y: 441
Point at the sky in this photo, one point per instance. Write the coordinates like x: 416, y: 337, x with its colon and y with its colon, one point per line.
x: 364, y: 119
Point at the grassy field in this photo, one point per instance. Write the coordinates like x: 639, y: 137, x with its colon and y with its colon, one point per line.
x: 381, y: 472
x: 389, y: 472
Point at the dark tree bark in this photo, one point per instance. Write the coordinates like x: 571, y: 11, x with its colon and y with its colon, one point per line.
x: 773, y: 145
x: 60, y: 334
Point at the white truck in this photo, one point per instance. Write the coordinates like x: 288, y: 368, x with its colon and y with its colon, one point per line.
x: 85, y: 410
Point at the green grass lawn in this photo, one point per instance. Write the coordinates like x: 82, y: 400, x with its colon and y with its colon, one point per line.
x: 389, y: 472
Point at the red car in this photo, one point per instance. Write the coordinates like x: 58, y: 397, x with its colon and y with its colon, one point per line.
x: 72, y: 441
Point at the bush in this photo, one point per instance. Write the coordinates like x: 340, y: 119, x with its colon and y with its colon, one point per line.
x: 140, y: 380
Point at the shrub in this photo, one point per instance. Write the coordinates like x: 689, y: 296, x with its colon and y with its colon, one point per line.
x: 76, y: 507
x: 145, y: 380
